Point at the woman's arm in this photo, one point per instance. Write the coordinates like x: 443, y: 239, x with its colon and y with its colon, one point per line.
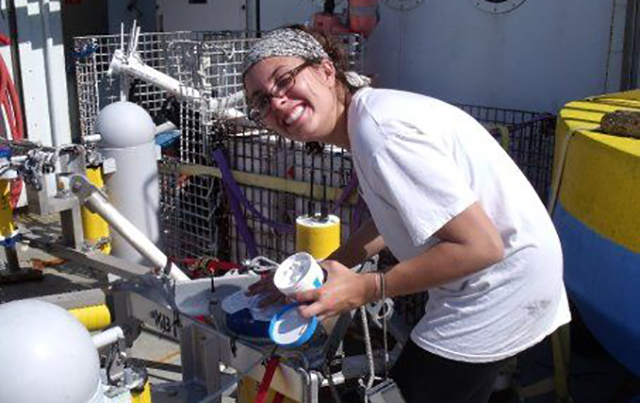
x: 365, y: 243
x: 469, y: 243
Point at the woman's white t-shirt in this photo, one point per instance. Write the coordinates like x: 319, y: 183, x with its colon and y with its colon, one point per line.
x: 421, y: 162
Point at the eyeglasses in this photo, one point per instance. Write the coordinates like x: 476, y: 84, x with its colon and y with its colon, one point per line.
x: 260, y: 105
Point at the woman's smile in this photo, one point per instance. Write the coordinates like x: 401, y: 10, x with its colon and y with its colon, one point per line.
x: 295, y: 115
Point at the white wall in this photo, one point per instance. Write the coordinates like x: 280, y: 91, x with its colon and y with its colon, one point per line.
x: 42, y: 70
x: 126, y: 11
x: 536, y: 57
x: 215, y: 15
x: 278, y: 13
x: 219, y: 15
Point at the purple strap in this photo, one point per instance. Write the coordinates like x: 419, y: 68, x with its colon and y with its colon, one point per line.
x: 228, y: 179
x: 237, y: 199
x: 346, y: 192
x: 232, y: 188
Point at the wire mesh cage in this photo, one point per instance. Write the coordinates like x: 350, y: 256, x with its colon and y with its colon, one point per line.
x: 195, y: 213
x: 527, y: 136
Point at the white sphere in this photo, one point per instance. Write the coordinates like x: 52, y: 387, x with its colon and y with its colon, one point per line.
x: 46, y: 355
x: 124, y: 125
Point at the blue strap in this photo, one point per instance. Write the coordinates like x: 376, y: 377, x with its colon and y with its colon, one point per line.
x: 11, y: 241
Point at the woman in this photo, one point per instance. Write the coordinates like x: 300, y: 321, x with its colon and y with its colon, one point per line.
x: 450, y: 204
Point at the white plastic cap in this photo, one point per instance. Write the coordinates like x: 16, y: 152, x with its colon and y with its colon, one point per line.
x: 124, y: 125
x: 298, y: 272
x: 46, y: 355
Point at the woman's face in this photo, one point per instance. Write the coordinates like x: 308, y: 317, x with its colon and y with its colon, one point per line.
x: 305, y: 109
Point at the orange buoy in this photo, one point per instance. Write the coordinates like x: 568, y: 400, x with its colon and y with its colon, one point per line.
x: 363, y: 16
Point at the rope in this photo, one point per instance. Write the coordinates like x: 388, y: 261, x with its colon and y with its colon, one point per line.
x: 367, y: 343
x: 557, y: 178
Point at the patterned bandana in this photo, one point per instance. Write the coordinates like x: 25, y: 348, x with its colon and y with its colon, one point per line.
x: 296, y: 43
x: 284, y: 42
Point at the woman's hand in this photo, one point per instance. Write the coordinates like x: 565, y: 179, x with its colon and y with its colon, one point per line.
x: 267, y: 289
x: 343, y: 291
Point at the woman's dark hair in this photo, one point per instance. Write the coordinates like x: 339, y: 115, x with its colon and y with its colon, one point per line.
x: 335, y: 51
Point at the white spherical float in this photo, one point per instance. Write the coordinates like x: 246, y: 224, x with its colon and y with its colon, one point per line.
x: 46, y: 355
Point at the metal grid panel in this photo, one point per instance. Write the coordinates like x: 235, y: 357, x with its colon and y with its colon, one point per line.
x: 215, y: 65
x: 274, y: 156
x: 530, y: 144
x: 96, y: 89
x: 193, y: 211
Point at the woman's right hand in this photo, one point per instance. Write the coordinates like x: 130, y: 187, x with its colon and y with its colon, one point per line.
x: 267, y: 289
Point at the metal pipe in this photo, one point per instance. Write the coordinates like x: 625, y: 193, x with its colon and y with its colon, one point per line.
x: 97, y: 203
x: 107, y: 337
x: 165, y: 127
x: 258, y: 26
x: 133, y: 66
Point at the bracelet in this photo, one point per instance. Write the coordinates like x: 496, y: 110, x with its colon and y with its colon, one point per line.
x: 382, y: 285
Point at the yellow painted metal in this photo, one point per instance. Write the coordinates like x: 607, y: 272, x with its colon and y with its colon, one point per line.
x: 7, y: 225
x: 596, y: 180
x: 248, y: 389
x: 599, y: 182
x: 95, y: 317
x: 298, y: 188
x: 95, y: 228
x: 144, y: 396
x: 317, y: 238
x: 505, y: 135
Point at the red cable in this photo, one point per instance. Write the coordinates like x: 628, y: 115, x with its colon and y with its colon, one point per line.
x: 10, y: 104
x: 278, y: 398
x: 263, y: 390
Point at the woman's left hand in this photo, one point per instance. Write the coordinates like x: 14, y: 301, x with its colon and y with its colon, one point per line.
x: 342, y: 291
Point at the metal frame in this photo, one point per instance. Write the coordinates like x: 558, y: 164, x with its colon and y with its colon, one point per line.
x: 203, y: 346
